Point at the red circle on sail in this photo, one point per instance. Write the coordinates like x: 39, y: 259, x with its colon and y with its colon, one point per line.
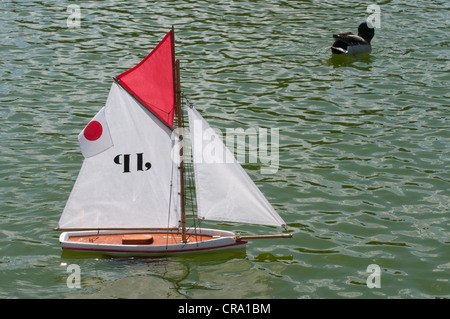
x: 93, y: 131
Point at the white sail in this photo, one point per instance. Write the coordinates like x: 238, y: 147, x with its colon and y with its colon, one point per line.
x: 224, y: 190
x: 131, y: 184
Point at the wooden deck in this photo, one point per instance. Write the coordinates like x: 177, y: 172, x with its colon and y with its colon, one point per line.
x: 139, y: 239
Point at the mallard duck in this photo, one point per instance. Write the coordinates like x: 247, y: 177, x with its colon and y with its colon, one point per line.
x: 348, y: 43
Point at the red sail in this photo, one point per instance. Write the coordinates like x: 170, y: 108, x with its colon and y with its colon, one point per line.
x: 152, y: 80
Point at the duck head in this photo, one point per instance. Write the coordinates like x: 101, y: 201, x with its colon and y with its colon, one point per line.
x: 365, y: 32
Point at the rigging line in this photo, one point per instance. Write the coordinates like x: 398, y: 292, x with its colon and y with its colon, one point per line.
x: 191, y: 199
x: 192, y: 195
x: 187, y: 173
x: 170, y: 204
x: 190, y: 174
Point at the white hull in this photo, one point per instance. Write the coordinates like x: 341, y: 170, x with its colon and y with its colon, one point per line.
x: 219, y: 240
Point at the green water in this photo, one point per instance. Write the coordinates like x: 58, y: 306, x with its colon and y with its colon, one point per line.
x: 363, y: 174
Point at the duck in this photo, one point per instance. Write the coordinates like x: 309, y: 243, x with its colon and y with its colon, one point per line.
x: 346, y: 43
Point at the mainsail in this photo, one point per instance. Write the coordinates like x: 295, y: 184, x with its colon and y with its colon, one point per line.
x: 224, y: 190
x: 132, y: 184
x: 129, y: 177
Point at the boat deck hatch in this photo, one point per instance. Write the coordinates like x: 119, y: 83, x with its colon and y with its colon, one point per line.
x: 137, y: 239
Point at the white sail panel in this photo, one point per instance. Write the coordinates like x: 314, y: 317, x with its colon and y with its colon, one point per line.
x: 133, y: 183
x: 224, y: 190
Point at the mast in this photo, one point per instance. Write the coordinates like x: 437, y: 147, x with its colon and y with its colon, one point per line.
x: 177, y: 95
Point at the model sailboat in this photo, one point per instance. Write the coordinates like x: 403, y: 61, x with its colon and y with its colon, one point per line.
x: 129, y: 197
